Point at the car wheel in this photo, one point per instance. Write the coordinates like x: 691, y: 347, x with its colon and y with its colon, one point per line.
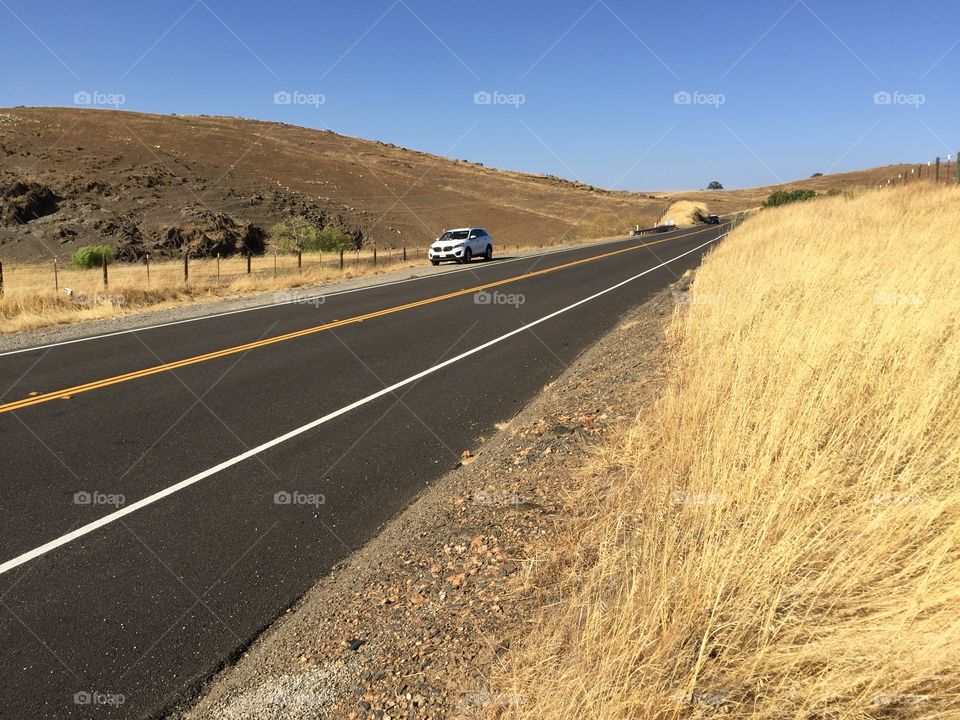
x: 488, y: 253
x: 434, y: 262
x: 467, y: 256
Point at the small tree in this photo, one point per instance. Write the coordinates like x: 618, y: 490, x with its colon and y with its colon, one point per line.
x: 298, y: 233
x: 714, y: 185
x: 333, y: 239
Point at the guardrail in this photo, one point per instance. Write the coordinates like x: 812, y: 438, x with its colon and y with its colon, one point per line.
x: 655, y: 229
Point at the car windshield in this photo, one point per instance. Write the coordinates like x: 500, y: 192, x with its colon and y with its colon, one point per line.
x: 455, y: 235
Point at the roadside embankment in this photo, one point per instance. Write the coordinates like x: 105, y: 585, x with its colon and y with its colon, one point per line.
x: 414, y: 624
x: 779, y: 537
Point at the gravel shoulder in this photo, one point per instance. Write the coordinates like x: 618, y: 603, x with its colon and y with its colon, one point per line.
x: 413, y: 624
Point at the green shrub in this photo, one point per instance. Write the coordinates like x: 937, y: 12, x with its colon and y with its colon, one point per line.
x: 784, y: 197
x: 298, y: 233
x: 92, y: 256
x: 333, y: 239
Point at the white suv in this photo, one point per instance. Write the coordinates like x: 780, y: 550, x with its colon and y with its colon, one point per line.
x: 462, y: 245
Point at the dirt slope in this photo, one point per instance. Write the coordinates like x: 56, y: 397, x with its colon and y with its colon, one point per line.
x: 72, y: 177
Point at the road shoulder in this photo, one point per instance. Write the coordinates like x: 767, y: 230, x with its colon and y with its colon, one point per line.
x: 412, y: 624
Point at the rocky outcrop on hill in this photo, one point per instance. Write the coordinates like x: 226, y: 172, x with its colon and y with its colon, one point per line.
x: 212, y: 234
x: 22, y: 202
x: 129, y: 238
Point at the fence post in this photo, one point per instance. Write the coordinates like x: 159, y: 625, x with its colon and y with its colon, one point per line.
x: 147, y: 261
x: 186, y: 266
x: 936, y: 178
x: 249, y: 255
x: 103, y: 259
x: 300, y: 260
x: 957, y: 169
x: 374, y: 254
x: 218, y: 269
x: 1, y: 279
x: 341, y: 258
x: 404, y: 253
x: 56, y: 278
x: 274, y: 263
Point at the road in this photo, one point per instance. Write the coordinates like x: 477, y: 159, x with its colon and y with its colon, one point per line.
x: 167, y: 493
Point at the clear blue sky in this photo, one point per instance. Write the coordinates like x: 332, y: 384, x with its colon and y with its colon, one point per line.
x: 598, y: 80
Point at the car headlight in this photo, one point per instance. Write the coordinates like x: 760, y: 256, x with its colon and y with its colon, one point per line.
x: 458, y: 245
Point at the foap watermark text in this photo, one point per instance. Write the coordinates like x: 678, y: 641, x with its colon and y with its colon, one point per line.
x: 96, y: 98
x: 295, y: 97
x: 97, y: 498
x: 499, y: 298
x: 682, y: 497
x: 896, y: 97
x: 485, y: 97
x: 696, y: 97
x: 691, y: 298
x: 294, y: 298
x: 298, y: 498
x: 492, y: 497
x: 96, y: 697
x: 898, y: 298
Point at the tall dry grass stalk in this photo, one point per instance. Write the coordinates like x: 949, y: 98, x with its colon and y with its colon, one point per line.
x: 780, y: 539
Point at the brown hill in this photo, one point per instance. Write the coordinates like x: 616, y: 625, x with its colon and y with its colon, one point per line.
x: 158, y: 183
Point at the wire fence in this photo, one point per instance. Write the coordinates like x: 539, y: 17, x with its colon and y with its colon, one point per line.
x: 151, y: 273
x: 939, y: 171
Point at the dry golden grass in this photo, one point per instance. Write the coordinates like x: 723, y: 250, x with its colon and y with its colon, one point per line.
x: 685, y: 213
x: 779, y: 537
x: 31, y: 300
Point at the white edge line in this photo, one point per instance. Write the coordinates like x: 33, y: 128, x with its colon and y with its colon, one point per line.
x: 150, y: 499
x: 304, y: 300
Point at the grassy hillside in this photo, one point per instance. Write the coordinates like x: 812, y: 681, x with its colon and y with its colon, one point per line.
x: 120, y: 175
x: 150, y: 183
x: 780, y: 538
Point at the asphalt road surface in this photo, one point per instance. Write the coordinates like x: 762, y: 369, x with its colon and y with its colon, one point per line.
x: 167, y: 493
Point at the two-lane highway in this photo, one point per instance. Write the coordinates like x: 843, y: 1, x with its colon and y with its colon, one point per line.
x: 166, y: 493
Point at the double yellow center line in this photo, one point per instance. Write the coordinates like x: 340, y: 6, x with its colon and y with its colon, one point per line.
x: 167, y: 367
